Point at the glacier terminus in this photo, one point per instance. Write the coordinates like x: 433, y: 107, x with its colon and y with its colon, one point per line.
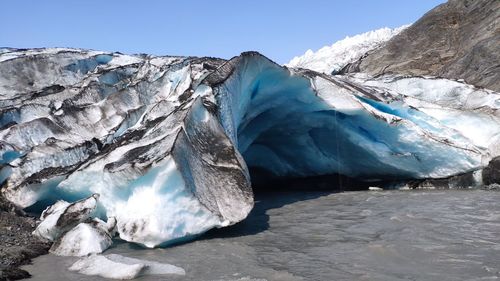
x: 161, y: 149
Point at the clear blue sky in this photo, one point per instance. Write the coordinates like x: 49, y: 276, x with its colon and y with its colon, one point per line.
x: 280, y: 29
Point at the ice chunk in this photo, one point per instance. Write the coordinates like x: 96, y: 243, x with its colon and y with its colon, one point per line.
x: 91, y: 237
x: 63, y: 216
x: 119, y: 267
x: 152, y: 267
x: 101, y: 266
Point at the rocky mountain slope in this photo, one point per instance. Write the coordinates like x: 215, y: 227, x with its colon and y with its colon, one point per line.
x: 458, y: 40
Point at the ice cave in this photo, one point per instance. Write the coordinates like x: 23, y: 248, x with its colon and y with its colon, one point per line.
x: 168, y: 143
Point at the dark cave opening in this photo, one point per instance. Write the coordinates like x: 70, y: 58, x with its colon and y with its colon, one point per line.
x: 292, y: 139
x: 264, y: 181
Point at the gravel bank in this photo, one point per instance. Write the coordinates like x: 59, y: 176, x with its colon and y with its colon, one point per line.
x: 17, y: 245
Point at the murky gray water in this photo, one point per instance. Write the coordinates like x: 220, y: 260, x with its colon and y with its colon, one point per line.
x: 397, y: 235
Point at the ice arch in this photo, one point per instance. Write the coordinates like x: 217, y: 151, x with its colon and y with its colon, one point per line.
x: 295, y: 123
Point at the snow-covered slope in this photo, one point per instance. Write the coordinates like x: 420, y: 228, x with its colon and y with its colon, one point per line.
x: 333, y: 58
x: 167, y: 141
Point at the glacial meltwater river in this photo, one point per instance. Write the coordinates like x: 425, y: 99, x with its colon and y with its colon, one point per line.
x: 369, y: 235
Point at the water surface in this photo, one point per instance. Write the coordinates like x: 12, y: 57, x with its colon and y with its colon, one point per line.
x: 388, y: 235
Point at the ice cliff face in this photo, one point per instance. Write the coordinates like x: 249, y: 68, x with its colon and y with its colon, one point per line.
x: 139, y: 131
x: 331, y: 59
x: 167, y: 141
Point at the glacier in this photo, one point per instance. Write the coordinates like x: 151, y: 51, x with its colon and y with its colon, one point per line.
x: 166, y: 145
x: 332, y: 59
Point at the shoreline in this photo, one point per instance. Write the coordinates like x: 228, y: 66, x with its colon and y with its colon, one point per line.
x: 378, y: 235
x: 18, y: 245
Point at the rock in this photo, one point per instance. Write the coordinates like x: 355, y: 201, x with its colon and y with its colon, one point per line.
x: 466, y: 180
x: 13, y: 273
x: 18, y: 246
x: 491, y: 173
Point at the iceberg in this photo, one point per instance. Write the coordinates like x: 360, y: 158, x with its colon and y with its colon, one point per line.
x: 92, y: 237
x: 151, y: 267
x: 62, y: 216
x: 119, y: 267
x: 169, y: 142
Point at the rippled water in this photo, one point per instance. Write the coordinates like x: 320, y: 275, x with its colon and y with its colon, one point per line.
x: 389, y: 235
